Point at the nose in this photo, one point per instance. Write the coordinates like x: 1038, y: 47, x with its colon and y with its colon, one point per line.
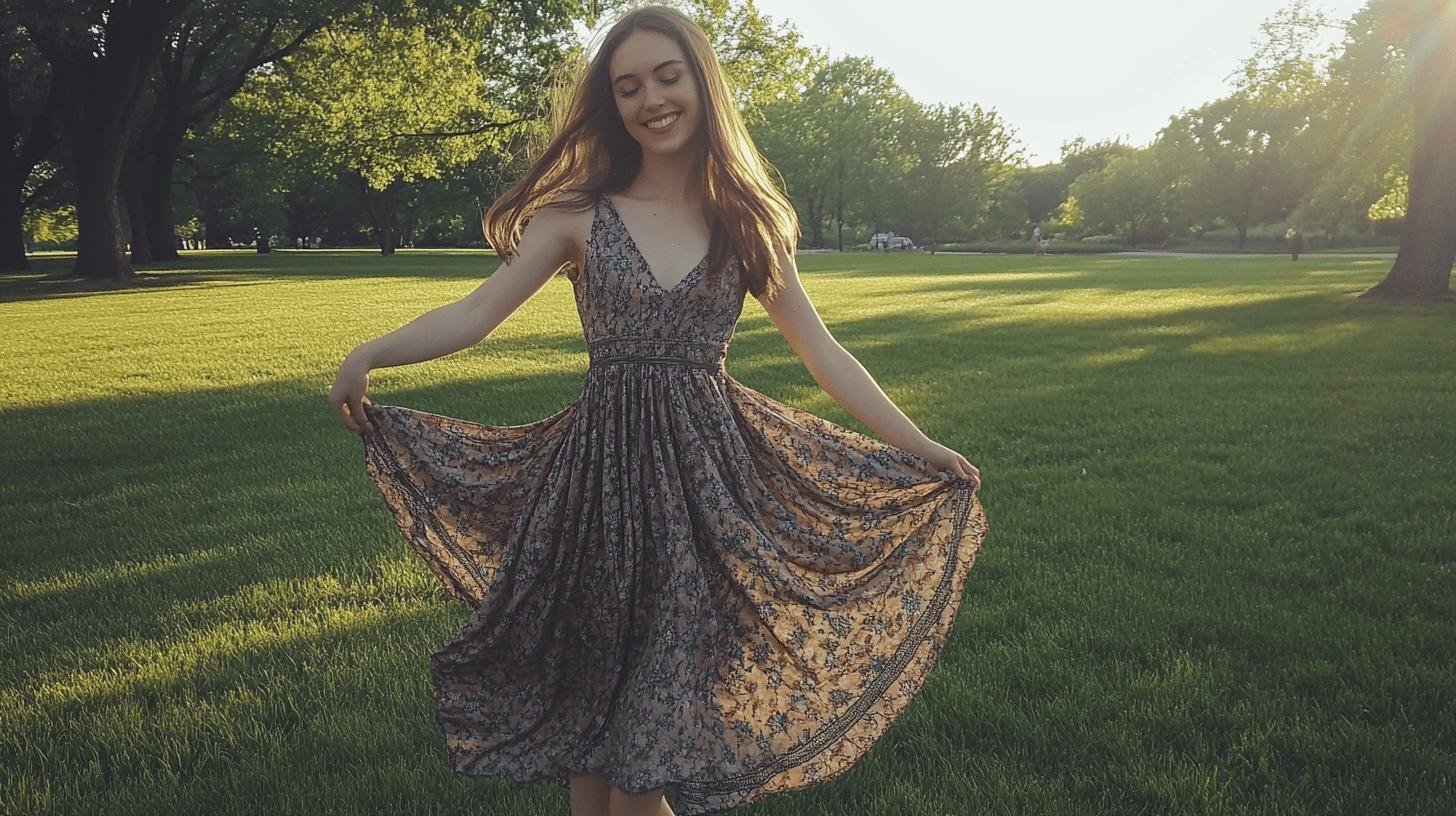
x: 656, y: 95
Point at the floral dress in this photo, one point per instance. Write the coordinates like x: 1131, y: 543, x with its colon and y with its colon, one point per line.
x: 675, y: 580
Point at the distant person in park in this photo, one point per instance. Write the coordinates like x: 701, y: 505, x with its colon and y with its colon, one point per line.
x: 1036, y: 239
x: 1296, y: 243
x: 686, y: 594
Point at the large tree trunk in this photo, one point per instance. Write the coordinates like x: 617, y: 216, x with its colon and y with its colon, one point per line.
x: 12, y: 233
x: 98, y: 219
x: 31, y: 144
x: 157, y: 190
x: 1428, y: 247
x: 136, y: 215
x: 161, y: 227
x: 382, y: 206
x: 815, y: 206
x: 213, y: 234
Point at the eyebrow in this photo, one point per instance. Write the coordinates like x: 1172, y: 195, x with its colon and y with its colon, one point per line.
x: 655, y: 69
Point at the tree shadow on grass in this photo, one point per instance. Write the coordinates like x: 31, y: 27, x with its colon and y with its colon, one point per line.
x: 49, y: 277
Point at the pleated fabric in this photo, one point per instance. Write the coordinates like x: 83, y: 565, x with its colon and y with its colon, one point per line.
x: 675, y: 581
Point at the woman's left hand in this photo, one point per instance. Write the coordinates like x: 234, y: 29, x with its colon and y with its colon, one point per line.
x: 946, y: 459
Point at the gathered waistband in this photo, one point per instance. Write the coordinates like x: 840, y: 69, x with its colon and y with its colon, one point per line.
x: 703, y: 354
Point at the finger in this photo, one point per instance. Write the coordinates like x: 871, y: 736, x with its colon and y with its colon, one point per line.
x: 340, y: 409
x: 971, y: 469
x: 358, y: 408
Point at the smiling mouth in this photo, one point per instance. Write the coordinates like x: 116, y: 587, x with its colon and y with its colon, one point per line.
x: 662, y: 122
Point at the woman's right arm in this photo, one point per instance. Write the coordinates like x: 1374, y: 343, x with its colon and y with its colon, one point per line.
x: 546, y: 243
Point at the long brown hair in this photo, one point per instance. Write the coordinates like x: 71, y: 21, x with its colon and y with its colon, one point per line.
x: 591, y: 153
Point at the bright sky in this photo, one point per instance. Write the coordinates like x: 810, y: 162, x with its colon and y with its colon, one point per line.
x: 1054, y: 69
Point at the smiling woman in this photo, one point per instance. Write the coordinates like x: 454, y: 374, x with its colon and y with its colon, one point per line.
x: 682, y: 588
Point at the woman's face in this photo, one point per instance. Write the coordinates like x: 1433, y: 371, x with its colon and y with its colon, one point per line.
x: 652, y: 82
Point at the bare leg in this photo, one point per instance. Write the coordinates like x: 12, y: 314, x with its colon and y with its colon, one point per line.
x: 652, y: 803
x: 590, y: 794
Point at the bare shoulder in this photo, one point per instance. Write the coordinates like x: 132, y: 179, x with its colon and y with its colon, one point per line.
x: 569, y: 224
x: 790, y: 284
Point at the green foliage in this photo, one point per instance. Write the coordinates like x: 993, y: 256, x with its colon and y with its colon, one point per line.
x: 834, y: 144
x: 1069, y: 217
x: 1311, y: 134
x: 1391, y: 207
x: 1287, y: 63
x: 1361, y: 131
x: 763, y: 61
x: 1128, y: 196
x: 855, y: 143
x: 953, y: 152
x: 1235, y: 158
x: 50, y: 226
x: 1080, y: 157
x: 1045, y: 188
x: 389, y: 102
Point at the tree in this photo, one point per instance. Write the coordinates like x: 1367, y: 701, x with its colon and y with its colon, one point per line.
x: 954, y: 153
x: 27, y: 129
x: 763, y: 61
x: 100, y: 54
x: 1127, y: 195
x: 1234, y: 156
x: 836, y: 145
x: 1080, y: 157
x: 1427, y: 29
x: 1046, y: 187
x: 395, y: 101
x: 206, y: 59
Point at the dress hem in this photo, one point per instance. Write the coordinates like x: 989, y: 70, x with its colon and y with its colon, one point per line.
x: 714, y: 795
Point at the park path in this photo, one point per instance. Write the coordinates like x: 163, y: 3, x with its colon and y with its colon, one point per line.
x: 1384, y: 256
x: 1387, y: 256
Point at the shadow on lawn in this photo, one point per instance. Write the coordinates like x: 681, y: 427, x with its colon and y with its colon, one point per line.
x: 48, y: 277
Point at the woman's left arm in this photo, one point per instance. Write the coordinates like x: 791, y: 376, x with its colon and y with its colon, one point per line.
x: 845, y: 380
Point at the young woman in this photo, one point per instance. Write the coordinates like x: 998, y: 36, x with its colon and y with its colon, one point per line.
x: 681, y: 588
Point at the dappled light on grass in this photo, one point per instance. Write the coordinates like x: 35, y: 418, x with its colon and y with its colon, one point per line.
x: 183, y: 651
x: 1129, y: 354
x: 1279, y: 341
x: 227, y: 335
x: 117, y: 572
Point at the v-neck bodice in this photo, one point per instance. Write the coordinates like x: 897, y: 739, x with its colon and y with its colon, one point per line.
x: 637, y: 248
x: 619, y: 301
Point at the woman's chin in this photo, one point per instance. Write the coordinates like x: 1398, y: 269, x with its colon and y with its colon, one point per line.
x: 669, y: 147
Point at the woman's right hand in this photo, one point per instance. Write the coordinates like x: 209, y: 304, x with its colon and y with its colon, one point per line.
x: 347, y: 395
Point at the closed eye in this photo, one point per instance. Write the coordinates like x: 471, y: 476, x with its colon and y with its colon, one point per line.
x: 665, y: 82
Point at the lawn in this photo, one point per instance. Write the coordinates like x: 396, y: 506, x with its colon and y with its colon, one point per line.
x: 1218, y: 579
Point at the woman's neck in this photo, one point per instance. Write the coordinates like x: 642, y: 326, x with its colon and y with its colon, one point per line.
x: 667, y: 180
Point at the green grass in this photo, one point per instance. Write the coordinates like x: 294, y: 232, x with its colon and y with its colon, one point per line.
x: 1218, y: 579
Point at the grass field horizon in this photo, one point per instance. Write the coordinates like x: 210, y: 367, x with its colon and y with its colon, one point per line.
x: 1218, y: 575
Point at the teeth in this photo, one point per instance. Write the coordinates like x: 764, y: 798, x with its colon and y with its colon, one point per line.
x: 658, y: 124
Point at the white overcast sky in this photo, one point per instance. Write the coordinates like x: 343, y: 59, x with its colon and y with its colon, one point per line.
x: 1053, y: 69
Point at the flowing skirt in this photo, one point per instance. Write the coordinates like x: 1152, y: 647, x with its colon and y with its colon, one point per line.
x: 676, y: 581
